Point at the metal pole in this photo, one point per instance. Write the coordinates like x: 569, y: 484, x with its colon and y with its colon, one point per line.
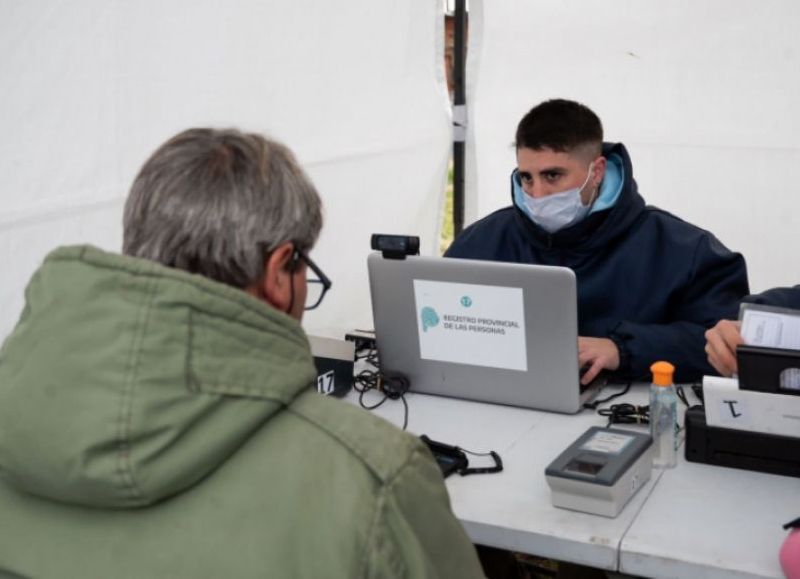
x: 459, y: 113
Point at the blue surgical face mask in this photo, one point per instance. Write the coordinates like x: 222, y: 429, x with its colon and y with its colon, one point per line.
x: 556, y: 211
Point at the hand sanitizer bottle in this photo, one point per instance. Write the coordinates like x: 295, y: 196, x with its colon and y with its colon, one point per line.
x: 663, y: 416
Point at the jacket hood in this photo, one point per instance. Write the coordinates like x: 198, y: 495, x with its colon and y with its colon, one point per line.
x: 126, y: 382
x: 617, y: 208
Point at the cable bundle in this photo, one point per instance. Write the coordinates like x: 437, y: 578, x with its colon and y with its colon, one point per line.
x: 626, y: 414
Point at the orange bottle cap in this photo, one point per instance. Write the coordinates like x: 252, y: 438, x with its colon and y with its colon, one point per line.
x: 662, y: 373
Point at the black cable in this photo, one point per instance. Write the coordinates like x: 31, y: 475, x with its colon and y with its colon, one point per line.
x: 392, y: 386
x: 368, y: 355
x: 405, y: 412
x: 596, y: 403
x: 681, y: 395
x: 697, y: 388
x: 498, y: 463
x: 626, y: 413
x: 488, y: 453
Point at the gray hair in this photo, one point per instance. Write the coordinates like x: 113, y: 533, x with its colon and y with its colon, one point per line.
x: 218, y: 202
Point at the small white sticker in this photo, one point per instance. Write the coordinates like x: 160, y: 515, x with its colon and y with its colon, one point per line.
x: 326, y: 383
x: 607, y: 442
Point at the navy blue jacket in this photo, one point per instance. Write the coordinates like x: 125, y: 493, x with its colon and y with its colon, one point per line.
x: 784, y: 297
x: 646, y: 279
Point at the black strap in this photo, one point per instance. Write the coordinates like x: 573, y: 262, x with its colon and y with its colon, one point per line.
x: 498, y: 465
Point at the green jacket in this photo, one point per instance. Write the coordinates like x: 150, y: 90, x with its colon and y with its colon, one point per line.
x: 154, y: 423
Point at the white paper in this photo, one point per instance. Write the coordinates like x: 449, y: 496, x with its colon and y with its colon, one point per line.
x: 607, y: 442
x: 771, y: 329
x: 472, y: 324
x: 734, y: 412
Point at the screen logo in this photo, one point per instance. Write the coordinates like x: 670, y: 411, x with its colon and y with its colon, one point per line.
x: 430, y: 319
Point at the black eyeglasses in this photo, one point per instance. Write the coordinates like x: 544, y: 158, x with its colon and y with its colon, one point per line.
x: 317, y: 286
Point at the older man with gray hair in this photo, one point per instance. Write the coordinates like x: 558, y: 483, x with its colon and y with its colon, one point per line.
x: 156, y: 414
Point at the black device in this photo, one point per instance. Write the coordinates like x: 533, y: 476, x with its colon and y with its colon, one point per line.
x: 762, y: 369
x: 743, y: 449
x: 334, y: 377
x: 395, y: 246
x: 334, y: 360
x: 363, y: 339
x: 449, y: 458
x: 454, y: 459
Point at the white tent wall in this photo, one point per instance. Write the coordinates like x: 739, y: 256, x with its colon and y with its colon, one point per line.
x: 91, y: 88
x: 703, y: 94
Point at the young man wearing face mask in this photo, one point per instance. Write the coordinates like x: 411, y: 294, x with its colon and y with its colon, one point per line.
x: 649, y: 284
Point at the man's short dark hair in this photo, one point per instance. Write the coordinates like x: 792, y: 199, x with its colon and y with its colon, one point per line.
x: 560, y: 125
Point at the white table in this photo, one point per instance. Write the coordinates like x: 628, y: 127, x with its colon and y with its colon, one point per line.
x: 512, y: 509
x: 695, y: 520
x: 711, y: 522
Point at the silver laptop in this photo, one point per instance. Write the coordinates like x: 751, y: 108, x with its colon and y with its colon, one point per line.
x: 497, y: 332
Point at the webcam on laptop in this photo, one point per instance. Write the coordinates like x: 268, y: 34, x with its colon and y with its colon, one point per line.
x: 395, y: 246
